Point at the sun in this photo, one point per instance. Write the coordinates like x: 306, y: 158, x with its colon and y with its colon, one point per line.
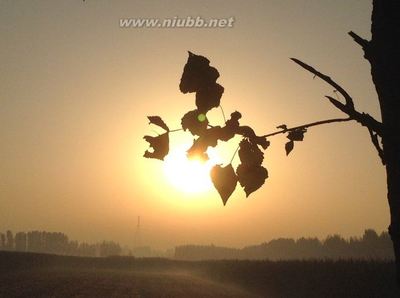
x: 189, y: 175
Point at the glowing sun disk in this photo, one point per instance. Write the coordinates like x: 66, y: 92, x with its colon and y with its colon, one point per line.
x: 190, y: 176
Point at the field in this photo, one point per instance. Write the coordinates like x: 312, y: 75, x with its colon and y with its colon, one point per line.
x: 39, y: 275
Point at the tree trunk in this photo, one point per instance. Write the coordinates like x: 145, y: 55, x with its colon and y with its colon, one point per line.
x: 383, y: 53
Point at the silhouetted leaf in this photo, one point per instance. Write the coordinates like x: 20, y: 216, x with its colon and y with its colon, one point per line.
x: 209, y: 97
x: 262, y: 141
x: 197, y: 153
x: 283, y: 126
x: 208, y: 139
x: 230, y: 128
x: 195, y: 121
x: 251, y: 177
x: 289, y: 147
x: 234, y: 120
x: 249, y: 153
x: 294, y: 135
x: 297, y: 135
x: 224, y: 180
x: 246, y: 131
x: 226, y: 133
x: 197, y: 74
x: 158, y: 121
x: 160, y: 145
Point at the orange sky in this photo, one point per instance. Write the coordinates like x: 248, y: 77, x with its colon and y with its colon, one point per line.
x: 75, y: 90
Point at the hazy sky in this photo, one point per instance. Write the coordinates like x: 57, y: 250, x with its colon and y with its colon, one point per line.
x: 75, y: 90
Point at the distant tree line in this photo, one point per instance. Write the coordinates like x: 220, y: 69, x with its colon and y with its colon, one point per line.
x: 369, y: 246
x: 56, y: 243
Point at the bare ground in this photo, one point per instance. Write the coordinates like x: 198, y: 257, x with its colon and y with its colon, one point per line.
x: 112, y: 283
x: 41, y: 275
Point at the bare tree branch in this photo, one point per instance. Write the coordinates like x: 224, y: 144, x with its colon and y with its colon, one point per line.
x: 363, y: 118
x: 348, y: 108
x: 361, y: 41
x: 347, y: 97
x: 365, y: 44
x: 375, y: 141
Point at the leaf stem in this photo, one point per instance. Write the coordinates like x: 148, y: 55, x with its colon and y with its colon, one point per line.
x: 234, y: 154
x: 223, y: 113
x: 175, y: 130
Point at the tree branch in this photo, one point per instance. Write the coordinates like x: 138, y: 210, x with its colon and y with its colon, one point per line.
x: 361, y: 41
x: 348, y: 108
x: 307, y: 126
x: 362, y: 118
x: 347, y: 97
x: 365, y: 44
x: 375, y: 141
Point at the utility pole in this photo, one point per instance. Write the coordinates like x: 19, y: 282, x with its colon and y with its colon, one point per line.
x: 137, y: 234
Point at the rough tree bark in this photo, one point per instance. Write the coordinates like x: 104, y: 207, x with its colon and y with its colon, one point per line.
x: 383, y: 53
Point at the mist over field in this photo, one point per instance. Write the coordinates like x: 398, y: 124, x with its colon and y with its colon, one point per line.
x: 28, y: 274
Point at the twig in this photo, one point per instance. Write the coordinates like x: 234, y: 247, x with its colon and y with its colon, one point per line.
x: 347, y: 97
x: 375, y: 141
x: 348, y: 108
x: 308, y: 125
x: 361, y: 41
x: 363, y: 118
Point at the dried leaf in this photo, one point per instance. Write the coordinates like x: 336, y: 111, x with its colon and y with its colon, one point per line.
x: 224, y: 180
x: 233, y: 122
x: 197, y: 74
x: 262, y: 141
x: 246, y: 131
x: 208, y: 139
x: 160, y: 145
x: 289, y: 147
x: 297, y: 135
x: 251, y: 177
x: 195, y: 152
x: 249, y: 153
x: 209, y: 97
x: 226, y: 133
x: 195, y: 121
x: 158, y: 121
x: 294, y: 135
x: 231, y: 127
x: 235, y: 117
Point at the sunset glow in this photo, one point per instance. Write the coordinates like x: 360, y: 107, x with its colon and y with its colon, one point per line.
x: 189, y: 175
x: 76, y: 90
